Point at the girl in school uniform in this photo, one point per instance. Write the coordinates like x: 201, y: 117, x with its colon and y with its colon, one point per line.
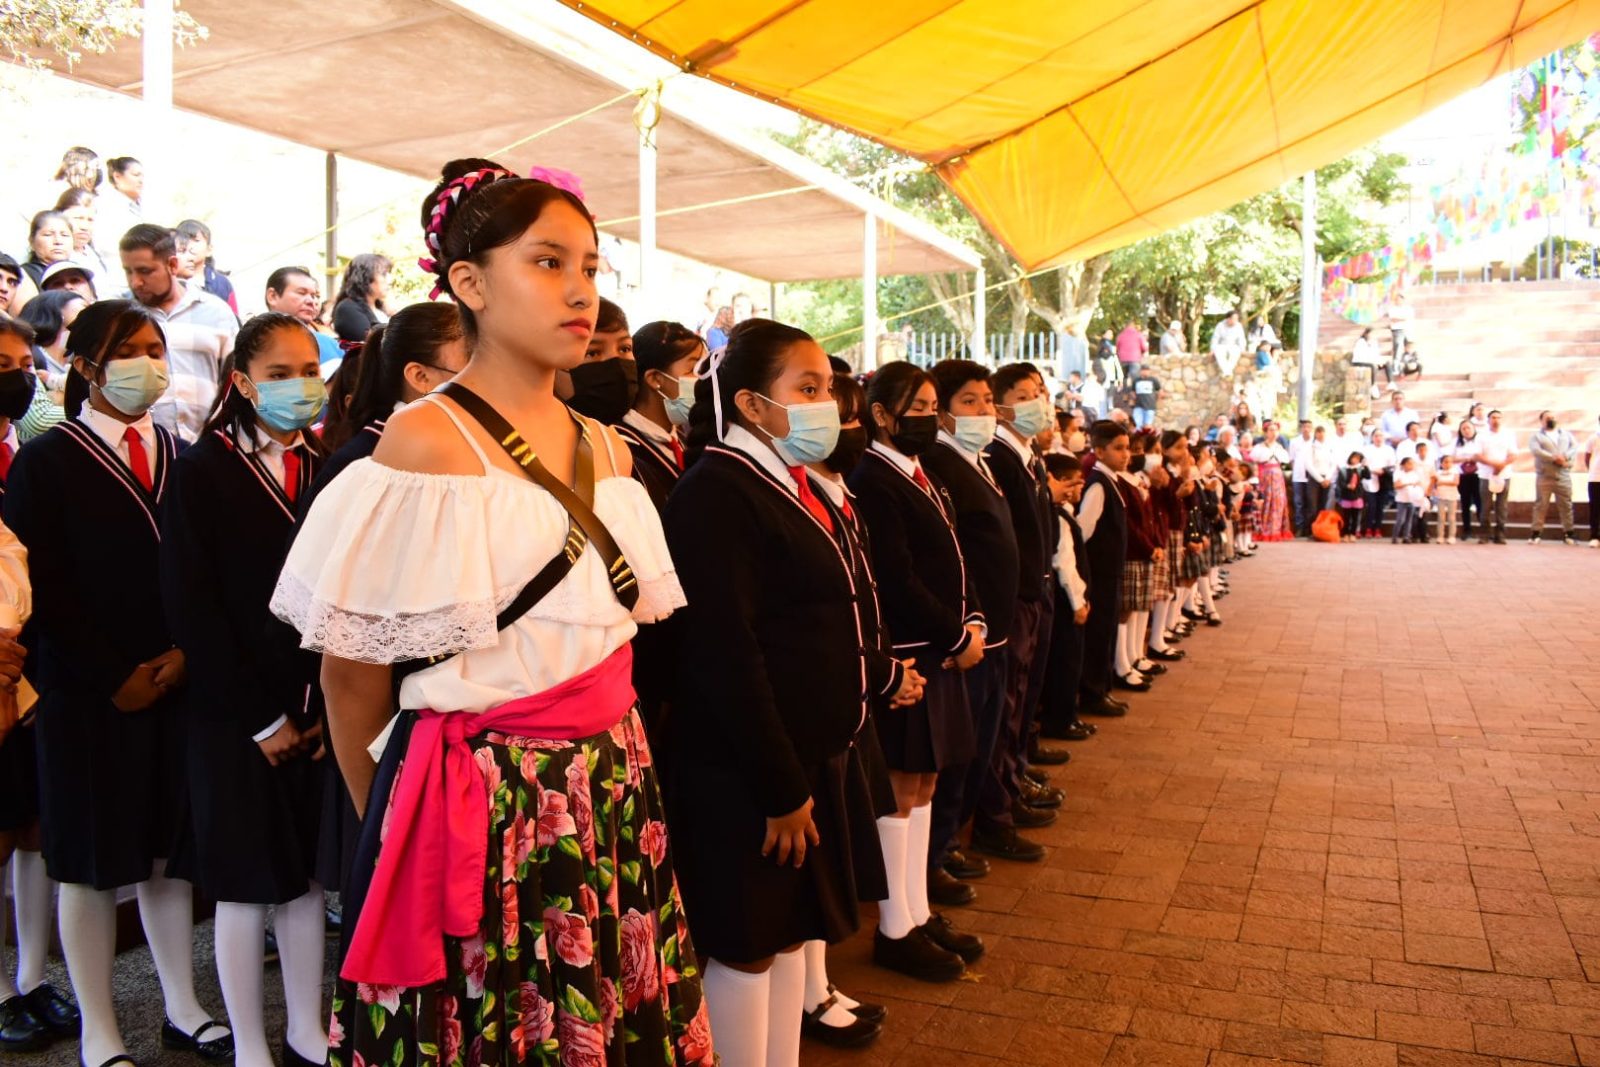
x: 767, y: 706
x: 665, y: 354
x: 110, y: 743
x: 253, y: 745
x: 931, y: 616
x: 32, y: 1012
x: 513, y: 897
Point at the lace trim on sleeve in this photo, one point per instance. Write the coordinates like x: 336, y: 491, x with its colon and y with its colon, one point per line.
x: 383, y: 639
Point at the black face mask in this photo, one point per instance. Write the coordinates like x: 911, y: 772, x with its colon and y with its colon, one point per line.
x: 916, y: 434
x: 848, y: 452
x: 16, y: 392
x: 604, y: 389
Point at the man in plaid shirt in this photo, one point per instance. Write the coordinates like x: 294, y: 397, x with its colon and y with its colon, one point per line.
x: 200, y: 328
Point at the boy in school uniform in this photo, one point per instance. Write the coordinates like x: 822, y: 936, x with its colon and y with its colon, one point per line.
x: 1103, y: 524
x: 1058, y: 715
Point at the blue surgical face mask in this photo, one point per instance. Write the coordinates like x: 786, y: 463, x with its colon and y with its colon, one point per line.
x: 974, y: 432
x: 813, y: 432
x: 678, y: 406
x: 290, y: 403
x: 1031, y: 417
x: 133, y: 385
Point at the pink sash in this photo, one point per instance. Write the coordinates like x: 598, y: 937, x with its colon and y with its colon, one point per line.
x: 428, y: 883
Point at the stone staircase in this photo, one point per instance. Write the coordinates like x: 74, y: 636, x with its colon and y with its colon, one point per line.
x: 1521, y: 347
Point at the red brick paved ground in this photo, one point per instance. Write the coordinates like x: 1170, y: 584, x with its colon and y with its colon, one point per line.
x: 1358, y: 829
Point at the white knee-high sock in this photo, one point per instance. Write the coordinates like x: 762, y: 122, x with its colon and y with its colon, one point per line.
x: 737, y: 1004
x: 785, y: 1003
x: 816, y: 957
x: 302, y: 941
x: 7, y: 990
x: 35, y: 895
x: 917, y: 863
x: 166, y: 908
x: 1120, y: 651
x: 1204, y: 587
x: 240, y: 933
x: 89, y: 942
x: 1138, y: 628
x: 1158, y: 625
x: 894, y: 914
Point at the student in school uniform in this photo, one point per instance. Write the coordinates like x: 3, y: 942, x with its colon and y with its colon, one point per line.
x: 605, y: 385
x: 33, y: 1014
x: 1024, y: 410
x: 254, y: 744
x: 109, y: 731
x: 1058, y: 711
x: 925, y: 590
x: 1104, y: 523
x: 831, y: 1016
x: 988, y: 543
x: 515, y: 814
x: 665, y: 354
x: 771, y: 850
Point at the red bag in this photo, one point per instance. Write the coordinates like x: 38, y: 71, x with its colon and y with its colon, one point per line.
x: 1328, y: 526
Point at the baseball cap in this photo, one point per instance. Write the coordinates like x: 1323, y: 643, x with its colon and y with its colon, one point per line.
x: 55, y: 270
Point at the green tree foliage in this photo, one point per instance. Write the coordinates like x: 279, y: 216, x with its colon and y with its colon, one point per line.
x: 37, y: 33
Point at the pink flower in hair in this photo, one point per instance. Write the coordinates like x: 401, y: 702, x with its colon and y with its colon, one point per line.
x: 561, y: 179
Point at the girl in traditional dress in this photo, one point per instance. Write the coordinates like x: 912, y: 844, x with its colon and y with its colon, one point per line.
x: 111, y: 750
x: 1269, y: 456
x: 253, y: 744
x: 521, y: 903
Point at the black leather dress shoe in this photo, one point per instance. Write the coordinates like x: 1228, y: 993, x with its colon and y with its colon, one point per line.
x: 54, y: 1010
x: 873, y: 1013
x: 1048, y: 757
x: 1042, y: 796
x: 1005, y: 843
x: 1171, y: 655
x: 916, y: 957
x: 940, y: 931
x: 1073, y: 731
x: 215, y: 1049
x: 20, y: 1029
x: 1028, y: 817
x: 945, y: 891
x: 960, y: 865
x: 1036, y: 775
x: 1132, y: 684
x: 857, y: 1033
x: 1213, y: 619
x: 1104, y: 708
x: 1150, y: 668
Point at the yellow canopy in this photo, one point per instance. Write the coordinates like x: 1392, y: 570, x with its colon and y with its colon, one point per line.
x: 1073, y: 126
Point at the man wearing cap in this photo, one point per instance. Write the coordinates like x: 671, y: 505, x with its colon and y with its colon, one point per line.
x: 1172, y: 340
x: 69, y: 275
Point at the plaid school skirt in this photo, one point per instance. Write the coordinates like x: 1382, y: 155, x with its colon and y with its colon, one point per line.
x: 1161, y: 587
x: 1136, y: 585
x: 1186, y: 565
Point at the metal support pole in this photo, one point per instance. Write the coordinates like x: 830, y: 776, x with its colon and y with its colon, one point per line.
x: 157, y: 42
x: 330, y: 209
x: 980, y: 325
x: 869, y: 294
x: 772, y: 302
x: 1310, y: 290
x: 647, y: 116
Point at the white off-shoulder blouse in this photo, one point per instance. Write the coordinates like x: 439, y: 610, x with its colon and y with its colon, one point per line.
x: 393, y: 565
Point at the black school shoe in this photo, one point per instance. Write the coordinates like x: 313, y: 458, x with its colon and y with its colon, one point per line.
x: 1072, y: 731
x: 939, y: 930
x: 857, y: 1033
x: 873, y: 1013
x: 1128, y: 682
x: 1029, y: 817
x: 1005, y: 843
x: 1105, y: 708
x: 54, y: 1010
x: 947, y: 892
x: 915, y: 956
x: 20, y: 1029
x: 291, y: 1058
x: 1171, y: 655
x: 1041, y: 796
x: 967, y: 868
x: 215, y: 1049
x: 1150, y: 669
x: 1048, y: 757
x: 1036, y: 775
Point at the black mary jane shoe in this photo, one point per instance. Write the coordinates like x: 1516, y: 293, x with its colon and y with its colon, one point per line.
x: 216, y: 1049
x: 1171, y: 655
x: 873, y: 1013
x: 941, y: 932
x: 1150, y: 669
x: 54, y: 1010
x: 291, y: 1058
x: 121, y: 1057
x: 1128, y: 682
x: 20, y: 1029
x: 1213, y: 619
x: 855, y: 1034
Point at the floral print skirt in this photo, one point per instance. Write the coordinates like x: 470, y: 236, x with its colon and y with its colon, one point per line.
x: 583, y: 958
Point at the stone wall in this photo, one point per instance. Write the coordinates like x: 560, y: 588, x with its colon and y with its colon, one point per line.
x: 1193, y: 390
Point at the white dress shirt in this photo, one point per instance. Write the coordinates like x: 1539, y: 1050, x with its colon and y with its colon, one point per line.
x: 1066, y: 566
x: 112, y: 432
x: 1300, y: 458
x: 974, y: 458
x: 1393, y: 423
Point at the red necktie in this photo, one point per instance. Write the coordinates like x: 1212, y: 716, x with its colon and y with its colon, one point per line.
x: 138, y: 458
x: 809, y: 499
x: 6, y: 452
x: 677, y: 450
x: 291, y: 474
x: 921, y: 480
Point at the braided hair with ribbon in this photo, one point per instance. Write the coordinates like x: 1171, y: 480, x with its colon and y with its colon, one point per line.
x: 479, y: 205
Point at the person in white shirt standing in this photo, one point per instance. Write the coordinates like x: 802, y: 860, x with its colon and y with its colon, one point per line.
x: 1394, y: 421
x: 1324, y: 466
x: 1497, y: 448
x: 1554, y: 450
x: 199, y: 329
x: 1591, y: 459
x: 1172, y: 343
x: 1305, y: 490
x: 1379, y: 485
